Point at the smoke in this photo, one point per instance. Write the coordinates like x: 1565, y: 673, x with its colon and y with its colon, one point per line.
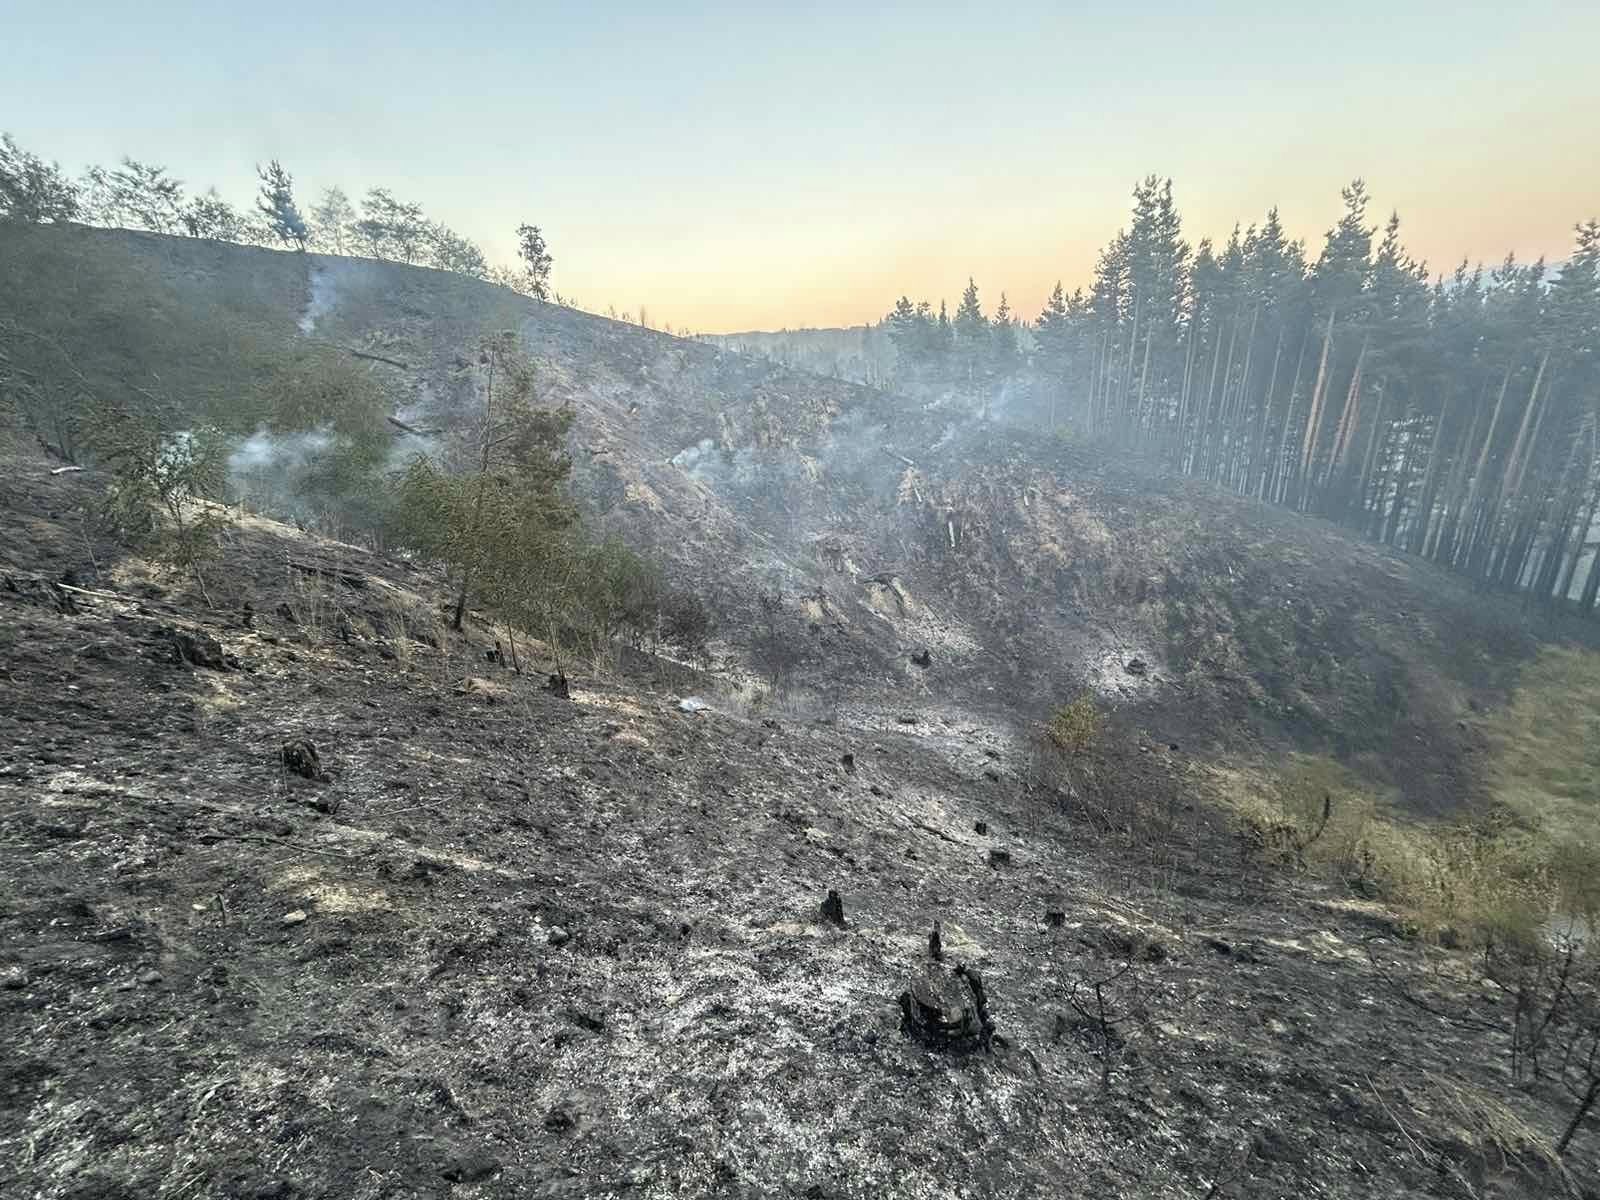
x: 321, y: 301
x: 698, y: 462
x: 280, y: 453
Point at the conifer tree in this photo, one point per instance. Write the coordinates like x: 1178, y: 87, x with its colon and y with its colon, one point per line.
x: 1003, y: 338
x: 276, y: 204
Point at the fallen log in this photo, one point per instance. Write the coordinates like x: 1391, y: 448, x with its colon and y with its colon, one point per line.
x: 412, y: 429
x: 351, y: 579
x: 366, y: 354
x: 65, y: 470
x: 393, y: 362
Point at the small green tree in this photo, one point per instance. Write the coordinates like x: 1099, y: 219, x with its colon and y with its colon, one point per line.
x: 164, y: 486
x: 509, y: 497
x: 536, y: 261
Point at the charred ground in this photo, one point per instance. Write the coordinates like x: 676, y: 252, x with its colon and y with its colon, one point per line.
x: 547, y: 948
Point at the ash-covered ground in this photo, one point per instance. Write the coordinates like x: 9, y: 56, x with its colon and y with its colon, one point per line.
x: 513, y: 945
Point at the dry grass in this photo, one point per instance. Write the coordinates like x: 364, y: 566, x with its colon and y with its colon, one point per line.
x: 1491, y: 875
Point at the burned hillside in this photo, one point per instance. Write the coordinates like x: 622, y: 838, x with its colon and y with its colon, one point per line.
x: 1030, y: 822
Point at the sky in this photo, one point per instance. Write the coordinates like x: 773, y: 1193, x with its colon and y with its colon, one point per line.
x: 737, y: 166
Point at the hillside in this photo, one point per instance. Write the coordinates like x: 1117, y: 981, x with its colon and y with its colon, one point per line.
x: 515, y: 945
x: 518, y: 946
x: 1027, y: 568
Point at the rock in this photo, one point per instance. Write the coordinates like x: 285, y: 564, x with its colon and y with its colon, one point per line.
x: 560, y: 1119
x: 1274, y: 1145
x: 470, y: 1166
x: 272, y: 1188
x: 593, y: 1022
x: 150, y: 978
x: 197, y: 649
x: 999, y: 858
x: 558, y: 936
x: 300, y: 756
x: 297, y: 917
x: 14, y: 979
x: 833, y: 909
x: 1136, y: 666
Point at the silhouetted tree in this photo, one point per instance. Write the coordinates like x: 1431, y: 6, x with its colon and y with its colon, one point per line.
x: 31, y: 189
x: 276, y: 203
x: 536, y: 261
x: 137, y: 195
x: 332, y: 221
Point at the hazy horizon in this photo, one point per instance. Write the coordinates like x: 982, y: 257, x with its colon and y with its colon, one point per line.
x: 734, y: 171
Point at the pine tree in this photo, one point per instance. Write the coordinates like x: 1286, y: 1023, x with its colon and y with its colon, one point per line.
x: 971, y: 331
x: 276, y: 204
x: 904, y: 332
x: 1003, y: 338
x: 1052, y: 330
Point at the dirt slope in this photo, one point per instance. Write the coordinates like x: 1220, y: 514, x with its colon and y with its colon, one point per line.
x: 515, y: 946
x: 1028, y: 568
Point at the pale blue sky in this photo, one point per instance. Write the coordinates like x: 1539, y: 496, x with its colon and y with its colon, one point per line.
x: 732, y: 166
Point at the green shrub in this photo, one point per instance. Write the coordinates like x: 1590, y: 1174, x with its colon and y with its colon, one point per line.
x: 1075, y: 727
x: 164, y: 487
